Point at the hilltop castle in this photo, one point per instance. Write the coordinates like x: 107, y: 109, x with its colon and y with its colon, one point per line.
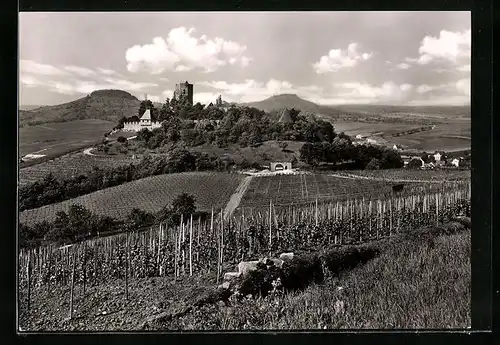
x: 184, y: 90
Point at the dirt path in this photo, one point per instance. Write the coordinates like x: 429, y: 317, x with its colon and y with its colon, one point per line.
x: 237, y: 195
x: 358, y: 177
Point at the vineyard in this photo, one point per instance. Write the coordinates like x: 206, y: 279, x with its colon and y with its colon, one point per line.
x: 408, y: 174
x: 150, y: 194
x: 196, y: 247
x: 70, y: 165
x: 304, y: 188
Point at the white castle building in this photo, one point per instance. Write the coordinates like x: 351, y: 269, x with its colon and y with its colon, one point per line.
x: 144, y: 122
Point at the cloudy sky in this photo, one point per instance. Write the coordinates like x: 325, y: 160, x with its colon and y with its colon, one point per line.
x: 327, y: 57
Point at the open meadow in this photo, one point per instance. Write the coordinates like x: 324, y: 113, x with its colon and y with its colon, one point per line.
x: 55, y: 138
x: 150, y: 194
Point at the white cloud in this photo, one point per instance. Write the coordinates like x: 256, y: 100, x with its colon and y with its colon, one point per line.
x: 450, y: 47
x: 338, y: 59
x: 107, y: 71
x: 464, y: 68
x: 251, y: 90
x: 81, y: 71
x: 181, y: 51
x: 29, y: 81
x: 402, y: 65
x: 424, y: 88
x: 32, y: 67
x: 363, y: 92
x: 463, y: 86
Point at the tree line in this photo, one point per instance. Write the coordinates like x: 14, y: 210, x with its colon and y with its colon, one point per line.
x: 80, y: 223
x: 51, y: 189
x: 342, y: 150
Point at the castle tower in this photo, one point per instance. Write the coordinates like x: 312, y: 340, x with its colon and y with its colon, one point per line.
x: 184, y: 90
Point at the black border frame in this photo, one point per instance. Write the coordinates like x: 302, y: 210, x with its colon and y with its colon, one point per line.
x: 482, y: 163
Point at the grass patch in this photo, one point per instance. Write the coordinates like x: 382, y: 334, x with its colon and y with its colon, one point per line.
x: 412, y: 284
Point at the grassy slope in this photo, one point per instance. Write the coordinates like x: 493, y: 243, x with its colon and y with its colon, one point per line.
x: 149, y: 194
x: 412, y: 285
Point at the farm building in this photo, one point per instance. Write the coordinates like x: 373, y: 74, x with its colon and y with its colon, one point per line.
x: 278, y: 166
x: 455, y: 162
x: 437, y: 156
x: 371, y: 141
x: 144, y: 122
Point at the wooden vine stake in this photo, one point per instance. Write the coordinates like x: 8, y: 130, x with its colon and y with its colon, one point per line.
x: 270, y: 224
x: 191, y: 247
x: 316, y: 213
x: 72, y: 284
x: 28, y: 273
x: 126, y: 265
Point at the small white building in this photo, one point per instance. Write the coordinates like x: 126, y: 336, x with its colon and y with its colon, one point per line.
x: 437, y: 156
x: 359, y: 136
x: 144, y: 122
x: 279, y: 166
x: 371, y: 141
x: 455, y: 162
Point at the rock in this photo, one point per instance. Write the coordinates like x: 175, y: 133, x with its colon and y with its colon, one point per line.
x: 225, y: 285
x: 277, y: 262
x: 231, y: 275
x: 286, y: 256
x: 245, y: 267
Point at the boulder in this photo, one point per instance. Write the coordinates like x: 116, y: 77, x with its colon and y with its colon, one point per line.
x: 286, y: 256
x: 229, y: 276
x: 245, y: 267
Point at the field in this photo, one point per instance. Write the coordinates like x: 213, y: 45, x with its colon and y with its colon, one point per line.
x: 408, y: 174
x: 263, y: 154
x: 55, y: 138
x: 292, y: 189
x: 70, y: 165
x: 149, y: 194
x: 363, y: 128
x: 442, y: 138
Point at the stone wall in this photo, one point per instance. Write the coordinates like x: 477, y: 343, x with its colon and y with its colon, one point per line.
x: 137, y: 126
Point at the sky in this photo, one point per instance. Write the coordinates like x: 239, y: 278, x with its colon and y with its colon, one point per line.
x: 331, y: 58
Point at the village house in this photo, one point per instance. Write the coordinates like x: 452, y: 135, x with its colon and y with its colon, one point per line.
x: 456, y: 162
x: 144, y: 122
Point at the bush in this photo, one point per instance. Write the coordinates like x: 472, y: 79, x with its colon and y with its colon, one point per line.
x: 301, y: 271
x: 373, y: 165
x: 121, y: 139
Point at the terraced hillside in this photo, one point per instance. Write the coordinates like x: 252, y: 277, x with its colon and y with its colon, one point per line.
x: 70, y: 165
x: 305, y: 188
x: 149, y: 194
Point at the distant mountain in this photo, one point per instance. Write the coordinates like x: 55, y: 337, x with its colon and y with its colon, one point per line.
x: 279, y: 102
x: 365, y: 112
x: 108, y: 105
x: 29, y: 107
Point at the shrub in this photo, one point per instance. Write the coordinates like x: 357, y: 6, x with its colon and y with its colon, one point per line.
x: 121, y: 139
x: 374, y: 164
x: 301, y: 271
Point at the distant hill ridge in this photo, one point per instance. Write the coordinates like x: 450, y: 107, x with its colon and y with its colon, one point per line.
x: 109, y: 105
